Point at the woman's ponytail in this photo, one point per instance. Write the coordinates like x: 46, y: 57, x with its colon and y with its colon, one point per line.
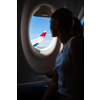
x: 77, y: 28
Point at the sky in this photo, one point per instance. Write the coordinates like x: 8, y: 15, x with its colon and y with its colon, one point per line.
x: 37, y: 26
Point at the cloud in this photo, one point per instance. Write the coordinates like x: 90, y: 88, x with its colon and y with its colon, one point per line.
x: 45, y: 43
x: 48, y: 34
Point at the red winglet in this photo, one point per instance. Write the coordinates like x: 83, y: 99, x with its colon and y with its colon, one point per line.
x: 43, y: 34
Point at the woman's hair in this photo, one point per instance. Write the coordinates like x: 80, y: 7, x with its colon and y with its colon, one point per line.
x: 68, y: 22
x: 77, y: 28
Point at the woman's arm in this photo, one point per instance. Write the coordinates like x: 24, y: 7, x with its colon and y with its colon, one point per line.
x: 52, y: 87
x: 77, y: 55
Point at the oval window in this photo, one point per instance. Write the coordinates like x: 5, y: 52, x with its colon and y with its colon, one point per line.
x: 40, y: 34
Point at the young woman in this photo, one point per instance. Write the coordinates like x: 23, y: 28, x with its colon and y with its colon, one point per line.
x: 68, y: 80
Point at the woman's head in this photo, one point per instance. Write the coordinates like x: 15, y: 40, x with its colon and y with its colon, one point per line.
x: 63, y: 19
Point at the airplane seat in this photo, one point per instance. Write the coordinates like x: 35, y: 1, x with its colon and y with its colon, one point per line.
x: 32, y: 91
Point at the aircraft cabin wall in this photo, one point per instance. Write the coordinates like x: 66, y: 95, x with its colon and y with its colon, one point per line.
x: 25, y: 73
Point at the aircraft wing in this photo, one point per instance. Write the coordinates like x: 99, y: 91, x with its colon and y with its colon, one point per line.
x: 35, y: 42
x: 38, y: 47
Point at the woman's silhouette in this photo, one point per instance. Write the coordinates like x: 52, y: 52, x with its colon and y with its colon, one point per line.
x: 68, y: 80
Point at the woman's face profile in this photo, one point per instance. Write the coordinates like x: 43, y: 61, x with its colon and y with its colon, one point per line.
x: 52, y: 28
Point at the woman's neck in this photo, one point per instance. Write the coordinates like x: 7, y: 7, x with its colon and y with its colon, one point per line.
x: 63, y: 37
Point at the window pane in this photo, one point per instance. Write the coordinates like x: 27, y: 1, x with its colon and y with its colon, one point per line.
x: 37, y: 26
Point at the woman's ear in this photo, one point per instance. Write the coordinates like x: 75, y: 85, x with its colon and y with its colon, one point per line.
x: 56, y: 24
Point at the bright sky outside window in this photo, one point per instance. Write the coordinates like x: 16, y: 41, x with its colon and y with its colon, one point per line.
x: 38, y: 25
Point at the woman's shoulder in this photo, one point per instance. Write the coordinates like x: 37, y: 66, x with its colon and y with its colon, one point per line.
x: 77, y: 41
x: 76, y: 46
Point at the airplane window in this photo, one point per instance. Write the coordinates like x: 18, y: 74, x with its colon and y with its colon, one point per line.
x: 39, y: 33
x: 82, y: 21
